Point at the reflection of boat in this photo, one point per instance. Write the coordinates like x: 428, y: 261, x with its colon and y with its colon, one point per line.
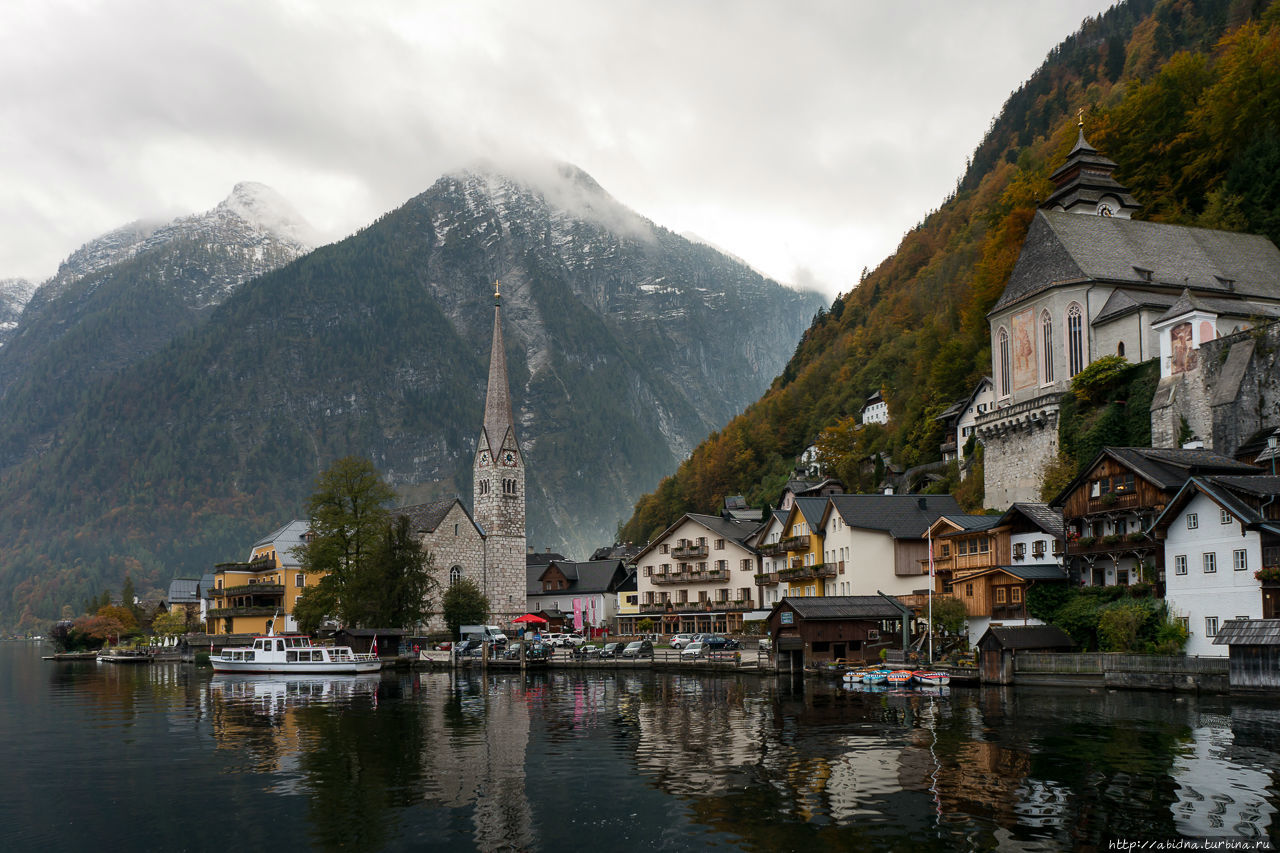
x: 292, y: 688
x: 293, y: 654
x: 934, y: 677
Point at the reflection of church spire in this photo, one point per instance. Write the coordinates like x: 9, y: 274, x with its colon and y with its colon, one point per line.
x: 1084, y: 183
x: 498, y: 420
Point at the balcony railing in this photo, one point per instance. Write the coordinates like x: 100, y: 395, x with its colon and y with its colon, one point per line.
x: 772, y: 549
x: 252, y: 589
x: 796, y: 543
x: 1114, y: 500
x: 1111, y: 543
x: 804, y: 573
x: 766, y: 578
x: 698, y: 606
x: 689, y: 552
x: 226, y: 612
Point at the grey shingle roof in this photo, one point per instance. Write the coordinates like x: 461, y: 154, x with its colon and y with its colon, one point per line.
x: 1039, y: 514
x: 1122, y: 302
x: 425, y: 518
x: 970, y: 523
x: 284, y: 540
x: 1037, y: 572
x: 184, y: 590
x: 1166, y: 468
x: 842, y: 607
x: 1249, y: 632
x: 1029, y: 637
x: 1242, y: 496
x: 1066, y: 247
x: 586, y: 578
x: 903, y: 516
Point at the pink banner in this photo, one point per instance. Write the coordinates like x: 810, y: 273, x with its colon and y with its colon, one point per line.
x: 577, y: 613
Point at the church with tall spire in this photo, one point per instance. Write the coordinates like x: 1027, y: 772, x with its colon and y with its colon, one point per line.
x: 498, y: 487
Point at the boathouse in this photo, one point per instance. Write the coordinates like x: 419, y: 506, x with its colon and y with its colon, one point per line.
x: 810, y: 631
x: 1254, y: 651
x: 998, y: 646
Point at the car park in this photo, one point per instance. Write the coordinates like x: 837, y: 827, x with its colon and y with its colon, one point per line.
x: 692, y: 651
x: 638, y: 649
x: 679, y: 641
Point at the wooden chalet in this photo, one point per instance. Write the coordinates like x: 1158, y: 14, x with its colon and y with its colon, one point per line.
x: 812, y: 631
x: 1000, y: 643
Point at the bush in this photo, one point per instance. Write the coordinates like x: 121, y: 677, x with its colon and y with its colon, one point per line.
x: 1118, y: 628
x: 1094, y: 384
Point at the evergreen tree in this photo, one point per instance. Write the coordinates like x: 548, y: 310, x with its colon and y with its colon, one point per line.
x: 464, y: 604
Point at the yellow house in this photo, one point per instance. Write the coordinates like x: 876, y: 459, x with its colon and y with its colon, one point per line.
x: 805, y: 574
x: 248, y: 596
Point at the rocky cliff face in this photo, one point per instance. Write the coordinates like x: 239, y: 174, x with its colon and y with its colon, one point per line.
x: 626, y: 344
x: 15, y: 293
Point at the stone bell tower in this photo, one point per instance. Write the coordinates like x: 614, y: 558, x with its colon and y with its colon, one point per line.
x: 498, y: 488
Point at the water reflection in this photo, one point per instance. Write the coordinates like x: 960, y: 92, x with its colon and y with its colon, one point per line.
x: 1221, y: 789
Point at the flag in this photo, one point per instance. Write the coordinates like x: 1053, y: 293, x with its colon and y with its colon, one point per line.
x: 930, y: 554
x: 373, y: 649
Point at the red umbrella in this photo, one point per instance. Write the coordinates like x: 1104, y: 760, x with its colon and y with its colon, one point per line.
x: 529, y: 617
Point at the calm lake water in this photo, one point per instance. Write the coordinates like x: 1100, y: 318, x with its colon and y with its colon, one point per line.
x: 169, y: 757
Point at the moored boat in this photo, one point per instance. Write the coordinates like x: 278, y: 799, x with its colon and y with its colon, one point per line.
x: 875, y: 676
x: 900, y: 677
x: 123, y: 656
x: 293, y: 653
x: 935, y: 678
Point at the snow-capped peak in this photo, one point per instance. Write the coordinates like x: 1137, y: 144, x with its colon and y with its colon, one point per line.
x: 267, y: 210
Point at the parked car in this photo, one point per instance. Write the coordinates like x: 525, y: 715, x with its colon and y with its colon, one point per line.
x: 587, y: 651
x: 572, y: 640
x: 715, y: 643
x: 469, y: 649
x: 638, y: 649
x: 679, y: 641
x: 692, y: 651
x: 612, y: 650
x: 537, y: 651
x: 554, y: 639
x: 765, y: 644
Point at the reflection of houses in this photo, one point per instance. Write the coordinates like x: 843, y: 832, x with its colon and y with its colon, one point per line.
x: 1219, y: 793
x: 247, y: 596
x: 590, y: 588
x: 1092, y: 282
x: 990, y: 562
x: 698, y: 575
x: 1109, y: 509
x: 1221, y: 554
x: 809, y: 631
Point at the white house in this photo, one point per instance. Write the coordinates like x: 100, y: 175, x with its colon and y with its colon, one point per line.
x: 876, y: 411
x: 1221, y: 548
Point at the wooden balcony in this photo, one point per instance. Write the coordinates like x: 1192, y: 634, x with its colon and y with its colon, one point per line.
x: 251, y: 589
x: 227, y: 612
x: 689, y: 552
x: 1113, y: 501
x: 766, y: 578
x: 796, y: 543
x: 804, y: 573
x: 690, y: 577
x: 1111, y: 544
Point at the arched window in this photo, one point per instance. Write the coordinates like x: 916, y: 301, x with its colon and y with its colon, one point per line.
x: 1003, y: 355
x: 1120, y: 349
x: 455, y: 575
x: 1046, y: 340
x: 1075, y: 338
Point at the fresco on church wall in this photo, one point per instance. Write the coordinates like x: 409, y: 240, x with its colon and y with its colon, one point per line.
x: 1182, y: 349
x: 1025, y: 369
x: 1207, y: 332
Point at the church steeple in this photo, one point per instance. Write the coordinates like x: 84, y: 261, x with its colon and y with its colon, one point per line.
x: 499, y: 423
x: 1085, y: 185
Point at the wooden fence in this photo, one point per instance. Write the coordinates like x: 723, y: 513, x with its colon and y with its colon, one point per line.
x: 1104, y: 662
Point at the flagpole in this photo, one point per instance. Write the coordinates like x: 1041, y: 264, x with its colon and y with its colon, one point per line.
x: 931, y: 582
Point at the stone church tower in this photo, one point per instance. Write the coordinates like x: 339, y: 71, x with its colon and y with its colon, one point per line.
x: 498, y: 485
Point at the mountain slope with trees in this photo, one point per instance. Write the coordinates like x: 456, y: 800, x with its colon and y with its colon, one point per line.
x: 1183, y: 94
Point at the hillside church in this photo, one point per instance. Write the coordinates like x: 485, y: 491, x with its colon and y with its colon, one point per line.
x: 487, y: 544
x: 1091, y: 281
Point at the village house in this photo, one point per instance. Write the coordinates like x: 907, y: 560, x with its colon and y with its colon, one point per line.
x: 767, y: 541
x: 876, y: 410
x: 1221, y: 537
x: 989, y: 563
x: 248, y: 597
x: 579, y: 592
x: 808, y: 631
x: 959, y: 421
x: 875, y: 543
x: 1108, y: 510
x: 698, y: 575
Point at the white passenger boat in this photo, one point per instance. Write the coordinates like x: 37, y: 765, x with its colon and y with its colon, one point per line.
x: 295, y: 654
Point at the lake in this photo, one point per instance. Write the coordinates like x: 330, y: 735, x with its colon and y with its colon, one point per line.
x: 168, y: 756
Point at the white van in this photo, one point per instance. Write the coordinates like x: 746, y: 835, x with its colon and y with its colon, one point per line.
x: 486, y: 633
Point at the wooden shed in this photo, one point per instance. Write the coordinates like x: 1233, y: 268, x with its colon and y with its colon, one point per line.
x: 361, y: 640
x: 1000, y: 643
x: 1254, y: 650
x: 808, y: 631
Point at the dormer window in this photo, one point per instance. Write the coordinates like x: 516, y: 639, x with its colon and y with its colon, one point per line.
x: 1143, y: 273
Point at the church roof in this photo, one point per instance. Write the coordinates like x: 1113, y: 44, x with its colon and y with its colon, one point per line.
x: 498, y: 420
x: 425, y: 518
x: 1067, y: 248
x: 1188, y: 302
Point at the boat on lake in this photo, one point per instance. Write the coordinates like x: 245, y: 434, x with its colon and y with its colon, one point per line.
x: 900, y: 678
x: 293, y: 654
x: 935, y: 678
x: 123, y: 656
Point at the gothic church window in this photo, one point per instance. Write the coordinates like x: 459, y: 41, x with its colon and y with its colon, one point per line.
x: 1046, y: 335
x: 1004, y: 363
x: 1075, y: 338
x: 455, y: 575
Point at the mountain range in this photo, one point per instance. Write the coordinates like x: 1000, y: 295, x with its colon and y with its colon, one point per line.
x: 172, y: 393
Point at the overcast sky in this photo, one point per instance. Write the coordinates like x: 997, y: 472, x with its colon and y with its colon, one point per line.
x: 804, y: 137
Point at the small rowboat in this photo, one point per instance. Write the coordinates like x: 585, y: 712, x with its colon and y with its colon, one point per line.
x: 900, y: 678
x: 875, y: 676
x: 932, y: 677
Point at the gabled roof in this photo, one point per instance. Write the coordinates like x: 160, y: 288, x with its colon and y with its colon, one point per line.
x: 1242, y: 496
x: 1029, y: 637
x: 1039, y: 514
x: 1122, y: 302
x: 1188, y: 303
x: 1165, y: 468
x: 841, y: 607
x: 425, y: 518
x: 967, y: 524
x: 586, y: 578
x: 1032, y: 572
x: 902, y: 516
x: 1249, y: 632
x: 723, y: 528
x: 541, y: 558
x: 284, y: 540
x: 1063, y: 248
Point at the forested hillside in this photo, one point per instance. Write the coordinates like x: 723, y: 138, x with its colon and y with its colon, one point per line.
x: 1183, y: 94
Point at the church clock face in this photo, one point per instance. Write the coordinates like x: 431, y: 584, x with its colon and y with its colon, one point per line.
x: 484, y: 457
x: 1104, y: 209
x: 509, y: 457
